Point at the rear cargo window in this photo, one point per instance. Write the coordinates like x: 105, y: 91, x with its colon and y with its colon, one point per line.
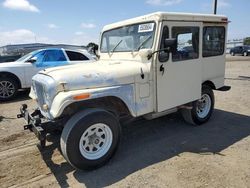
x: 213, y: 41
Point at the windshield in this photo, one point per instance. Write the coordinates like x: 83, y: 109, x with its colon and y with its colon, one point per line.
x: 27, y: 56
x: 128, y: 38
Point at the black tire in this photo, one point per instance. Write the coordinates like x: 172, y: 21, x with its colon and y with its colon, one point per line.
x: 12, y: 86
x: 232, y: 54
x: 191, y: 115
x: 74, y: 130
x: 245, y: 54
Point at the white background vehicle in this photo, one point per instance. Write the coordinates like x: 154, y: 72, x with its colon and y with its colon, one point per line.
x: 149, y: 66
x: 17, y: 75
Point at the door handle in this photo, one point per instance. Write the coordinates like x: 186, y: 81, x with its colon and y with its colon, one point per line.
x: 162, y: 69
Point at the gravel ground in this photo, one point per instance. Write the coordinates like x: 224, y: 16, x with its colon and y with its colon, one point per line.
x: 165, y: 152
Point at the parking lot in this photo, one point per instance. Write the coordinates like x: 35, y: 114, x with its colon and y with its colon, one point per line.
x: 158, y: 153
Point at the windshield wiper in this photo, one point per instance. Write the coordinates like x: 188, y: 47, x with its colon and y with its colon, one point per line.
x: 116, y: 46
x: 143, y: 42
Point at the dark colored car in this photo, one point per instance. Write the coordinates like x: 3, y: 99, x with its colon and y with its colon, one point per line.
x: 242, y: 50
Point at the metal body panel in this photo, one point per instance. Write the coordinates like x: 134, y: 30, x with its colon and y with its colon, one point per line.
x: 213, y: 68
x: 181, y: 81
x: 126, y: 93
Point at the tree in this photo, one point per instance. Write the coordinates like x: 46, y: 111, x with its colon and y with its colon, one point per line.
x: 247, y: 41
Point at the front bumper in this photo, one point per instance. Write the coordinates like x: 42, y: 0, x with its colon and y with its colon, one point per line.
x: 38, y: 124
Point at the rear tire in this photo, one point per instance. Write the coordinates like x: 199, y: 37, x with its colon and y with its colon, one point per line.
x: 245, y: 54
x: 90, y: 138
x: 202, y: 109
x: 8, y: 88
x: 232, y: 54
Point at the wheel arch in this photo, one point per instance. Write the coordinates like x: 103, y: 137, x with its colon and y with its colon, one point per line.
x: 113, y: 104
x: 4, y: 74
x: 210, y: 84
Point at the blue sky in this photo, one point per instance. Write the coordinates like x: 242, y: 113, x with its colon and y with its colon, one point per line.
x: 80, y: 21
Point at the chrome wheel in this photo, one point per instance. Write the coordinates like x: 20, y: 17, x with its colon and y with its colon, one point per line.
x: 203, y: 106
x: 96, y: 141
x: 7, y: 89
x: 245, y: 53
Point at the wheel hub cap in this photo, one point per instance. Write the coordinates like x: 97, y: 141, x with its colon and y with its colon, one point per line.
x: 95, y: 141
x: 7, y: 89
x: 203, y: 106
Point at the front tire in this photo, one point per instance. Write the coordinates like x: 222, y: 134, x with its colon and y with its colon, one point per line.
x: 90, y: 138
x: 202, y: 109
x: 245, y: 54
x: 232, y: 54
x: 8, y: 88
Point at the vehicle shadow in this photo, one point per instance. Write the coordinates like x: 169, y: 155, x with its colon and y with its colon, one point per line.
x: 149, y: 142
x: 21, y: 96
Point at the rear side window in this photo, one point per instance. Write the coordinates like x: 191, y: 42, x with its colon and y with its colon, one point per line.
x: 75, y: 56
x: 213, y: 41
x: 54, y: 55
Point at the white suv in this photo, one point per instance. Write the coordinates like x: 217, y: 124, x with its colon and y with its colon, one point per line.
x: 17, y: 75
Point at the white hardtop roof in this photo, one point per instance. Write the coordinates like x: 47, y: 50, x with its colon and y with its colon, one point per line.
x: 171, y: 16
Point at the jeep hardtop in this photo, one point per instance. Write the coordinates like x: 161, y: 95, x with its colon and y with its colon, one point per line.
x: 148, y: 67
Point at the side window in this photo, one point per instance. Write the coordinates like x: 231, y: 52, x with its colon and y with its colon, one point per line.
x: 75, y: 56
x: 213, y: 41
x: 187, y: 43
x: 54, y: 55
x: 39, y: 56
x: 164, y: 55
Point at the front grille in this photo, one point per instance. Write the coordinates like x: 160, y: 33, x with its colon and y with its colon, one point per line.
x: 40, y: 93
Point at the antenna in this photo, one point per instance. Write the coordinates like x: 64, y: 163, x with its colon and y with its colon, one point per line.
x: 215, y: 6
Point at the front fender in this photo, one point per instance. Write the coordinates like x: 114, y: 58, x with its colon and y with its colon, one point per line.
x: 124, y: 92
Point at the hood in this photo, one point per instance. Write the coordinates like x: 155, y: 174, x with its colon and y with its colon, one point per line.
x: 101, y: 73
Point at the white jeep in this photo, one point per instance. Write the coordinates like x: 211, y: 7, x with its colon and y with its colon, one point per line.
x: 149, y: 66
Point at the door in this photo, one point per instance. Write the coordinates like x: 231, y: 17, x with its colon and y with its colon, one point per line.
x: 33, y: 68
x: 179, y: 73
x: 53, y: 58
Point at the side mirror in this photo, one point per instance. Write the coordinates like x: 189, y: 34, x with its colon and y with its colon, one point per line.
x: 145, y: 53
x: 171, y: 45
x: 32, y: 60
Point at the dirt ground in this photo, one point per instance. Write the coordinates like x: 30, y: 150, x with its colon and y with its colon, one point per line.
x: 164, y: 152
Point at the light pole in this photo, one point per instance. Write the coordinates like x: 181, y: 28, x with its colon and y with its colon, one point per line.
x: 215, y: 6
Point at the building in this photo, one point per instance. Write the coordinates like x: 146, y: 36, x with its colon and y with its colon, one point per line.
x: 21, y: 49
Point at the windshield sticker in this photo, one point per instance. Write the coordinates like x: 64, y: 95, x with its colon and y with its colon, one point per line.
x: 146, y: 27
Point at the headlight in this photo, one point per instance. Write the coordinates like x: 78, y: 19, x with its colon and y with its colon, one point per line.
x: 45, y: 107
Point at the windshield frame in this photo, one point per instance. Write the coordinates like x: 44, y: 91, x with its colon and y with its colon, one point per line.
x: 136, y: 23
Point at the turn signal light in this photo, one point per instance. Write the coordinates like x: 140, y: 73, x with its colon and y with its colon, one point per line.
x: 82, y: 96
